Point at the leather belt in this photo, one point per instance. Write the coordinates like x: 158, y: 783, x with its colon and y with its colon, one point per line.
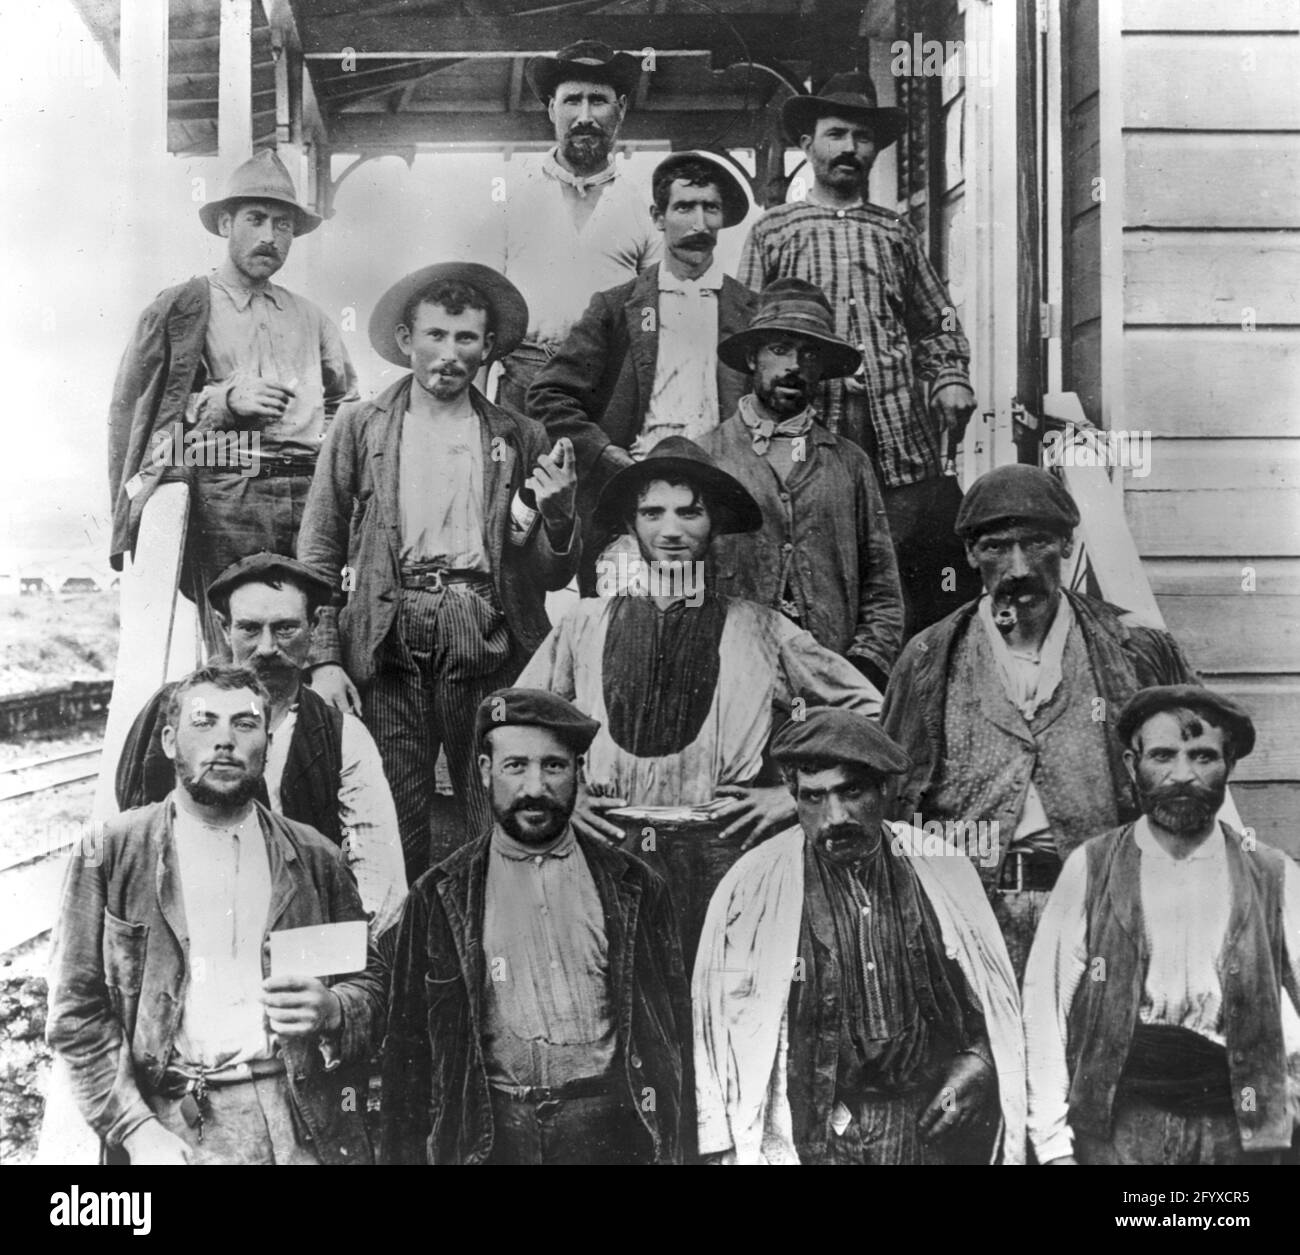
x: 181, y: 1079
x: 435, y: 579
x: 585, y: 1087
x: 1029, y: 871
x: 266, y: 466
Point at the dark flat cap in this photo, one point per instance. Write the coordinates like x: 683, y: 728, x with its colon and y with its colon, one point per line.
x: 1221, y: 711
x: 828, y: 734
x: 1016, y: 493
x: 535, y: 708
x: 264, y: 566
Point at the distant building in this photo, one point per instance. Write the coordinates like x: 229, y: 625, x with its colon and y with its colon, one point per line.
x: 34, y: 586
x: 80, y: 584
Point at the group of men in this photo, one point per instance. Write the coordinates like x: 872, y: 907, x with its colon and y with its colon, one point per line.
x: 731, y: 879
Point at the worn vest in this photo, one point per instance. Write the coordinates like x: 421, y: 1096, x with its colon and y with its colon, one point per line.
x: 991, y: 752
x: 1105, y: 1008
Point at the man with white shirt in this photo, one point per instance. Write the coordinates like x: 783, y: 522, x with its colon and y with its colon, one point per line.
x: 574, y: 224
x: 181, y: 1044
x: 1154, y: 993
x: 323, y: 768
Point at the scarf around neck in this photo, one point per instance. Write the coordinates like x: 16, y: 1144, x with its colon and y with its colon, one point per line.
x: 761, y: 430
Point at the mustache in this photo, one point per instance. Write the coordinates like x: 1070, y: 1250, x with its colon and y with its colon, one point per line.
x: 790, y: 381
x: 846, y: 163
x: 586, y: 128
x: 1014, y: 585
x: 701, y: 239
x: 535, y: 804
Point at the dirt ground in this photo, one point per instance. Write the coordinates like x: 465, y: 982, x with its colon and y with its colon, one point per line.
x: 47, y: 641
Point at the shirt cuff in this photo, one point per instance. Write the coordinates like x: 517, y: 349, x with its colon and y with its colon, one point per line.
x: 1055, y: 1145
x: 326, y: 647
x: 946, y: 377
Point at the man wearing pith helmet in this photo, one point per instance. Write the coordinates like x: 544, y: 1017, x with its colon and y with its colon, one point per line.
x: 442, y: 520
x: 1007, y: 707
x: 878, y: 1021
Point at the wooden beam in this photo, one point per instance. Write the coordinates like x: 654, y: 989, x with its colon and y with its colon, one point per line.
x: 234, y: 108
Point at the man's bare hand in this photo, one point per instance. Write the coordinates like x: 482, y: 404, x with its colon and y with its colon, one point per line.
x: 953, y: 404
x: 588, y: 818
x: 760, y: 812
x: 553, y: 482
x: 258, y: 398
x: 960, y: 1095
x: 331, y: 682
x: 301, y: 1006
x: 152, y: 1144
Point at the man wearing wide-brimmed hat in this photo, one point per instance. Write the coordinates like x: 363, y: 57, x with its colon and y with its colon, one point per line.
x: 229, y: 352
x: 823, y: 556
x: 1156, y: 998
x: 574, y: 223
x: 443, y: 520
x: 908, y: 402
x: 642, y: 362
x: 684, y: 681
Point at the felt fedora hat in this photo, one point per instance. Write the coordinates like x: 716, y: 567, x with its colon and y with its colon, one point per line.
x: 799, y: 307
x: 735, y: 199
x: 262, y: 177
x: 675, y: 457
x: 851, y: 96
x: 587, y: 61
x: 509, y: 309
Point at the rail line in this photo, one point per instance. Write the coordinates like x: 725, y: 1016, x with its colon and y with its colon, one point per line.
x: 42, y: 774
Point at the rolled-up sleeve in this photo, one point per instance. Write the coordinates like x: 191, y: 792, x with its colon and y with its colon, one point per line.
x: 372, y: 847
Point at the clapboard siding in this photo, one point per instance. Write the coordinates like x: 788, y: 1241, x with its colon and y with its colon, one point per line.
x: 1213, y: 82
x: 1192, y: 179
x: 1213, y: 381
x: 1181, y: 464
x: 1214, y: 523
x: 1211, y: 15
x: 1272, y: 810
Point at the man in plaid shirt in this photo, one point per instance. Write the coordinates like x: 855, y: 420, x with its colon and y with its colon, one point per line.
x: 910, y: 401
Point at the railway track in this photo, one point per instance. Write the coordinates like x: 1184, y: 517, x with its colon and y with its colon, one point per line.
x: 38, y: 775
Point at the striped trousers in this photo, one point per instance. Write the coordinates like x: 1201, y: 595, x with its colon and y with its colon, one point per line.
x: 447, y: 651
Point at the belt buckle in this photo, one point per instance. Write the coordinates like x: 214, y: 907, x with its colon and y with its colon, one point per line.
x: 1019, y: 886
x: 437, y: 586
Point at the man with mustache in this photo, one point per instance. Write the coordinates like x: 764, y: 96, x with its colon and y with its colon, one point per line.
x: 442, y: 520
x: 181, y: 1044
x: 229, y: 352
x: 1154, y: 996
x: 909, y: 401
x: 823, y: 556
x: 853, y: 1001
x: 540, y: 1007
x: 642, y: 362
x: 574, y: 223
x: 323, y: 768
x: 1006, y: 706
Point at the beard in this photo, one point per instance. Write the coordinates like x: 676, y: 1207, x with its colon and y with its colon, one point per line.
x: 1186, y: 810
x: 586, y: 150
x: 552, y: 826
x: 233, y: 796
x: 786, y: 408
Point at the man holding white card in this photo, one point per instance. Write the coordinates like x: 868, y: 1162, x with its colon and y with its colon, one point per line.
x: 190, y: 1034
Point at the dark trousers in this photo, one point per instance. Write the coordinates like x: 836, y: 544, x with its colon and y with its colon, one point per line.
x: 1142, y: 1133
x: 594, y: 1130
x: 932, y: 566
x: 447, y: 651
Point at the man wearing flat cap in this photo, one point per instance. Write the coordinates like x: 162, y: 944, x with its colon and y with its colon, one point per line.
x: 225, y: 355
x: 575, y: 224
x: 540, y: 1007
x: 1156, y: 1013
x: 685, y: 682
x: 1007, y: 707
x: 823, y: 556
x: 322, y: 766
x: 853, y: 1000
x: 908, y: 401
x: 642, y: 362
x: 441, y: 521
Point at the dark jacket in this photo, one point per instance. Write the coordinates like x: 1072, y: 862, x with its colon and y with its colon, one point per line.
x: 1124, y: 656
x: 825, y: 534
x: 596, y: 389
x: 1104, y: 1013
x: 161, y: 367
x: 353, y: 517
x: 309, y: 789
x: 120, y: 971
x: 437, y: 1106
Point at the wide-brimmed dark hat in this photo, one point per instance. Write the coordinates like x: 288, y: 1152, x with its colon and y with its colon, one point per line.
x: 850, y: 96
x: 262, y: 177
x: 732, y: 509
x: 1013, y: 494
x: 587, y: 61
x: 509, y: 309
x: 829, y: 734
x: 1221, y: 711
x: 535, y: 708
x: 796, y: 306
x: 267, y: 566
x: 735, y: 199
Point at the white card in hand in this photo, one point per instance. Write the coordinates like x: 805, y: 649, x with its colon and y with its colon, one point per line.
x: 319, y: 950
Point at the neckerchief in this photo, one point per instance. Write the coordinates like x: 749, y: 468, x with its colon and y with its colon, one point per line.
x: 580, y: 183
x: 761, y: 430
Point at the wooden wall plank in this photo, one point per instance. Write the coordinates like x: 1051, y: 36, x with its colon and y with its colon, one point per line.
x: 1083, y: 146
x: 1079, y: 45
x: 1211, y: 278
x: 1272, y: 810
x: 1207, y: 180
x: 1084, y: 264
x: 1237, y: 632
x: 1226, y: 523
x: 1206, y: 382
x: 1175, y: 464
x: 1083, y: 367
x: 1214, y: 82
x: 1211, y: 15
